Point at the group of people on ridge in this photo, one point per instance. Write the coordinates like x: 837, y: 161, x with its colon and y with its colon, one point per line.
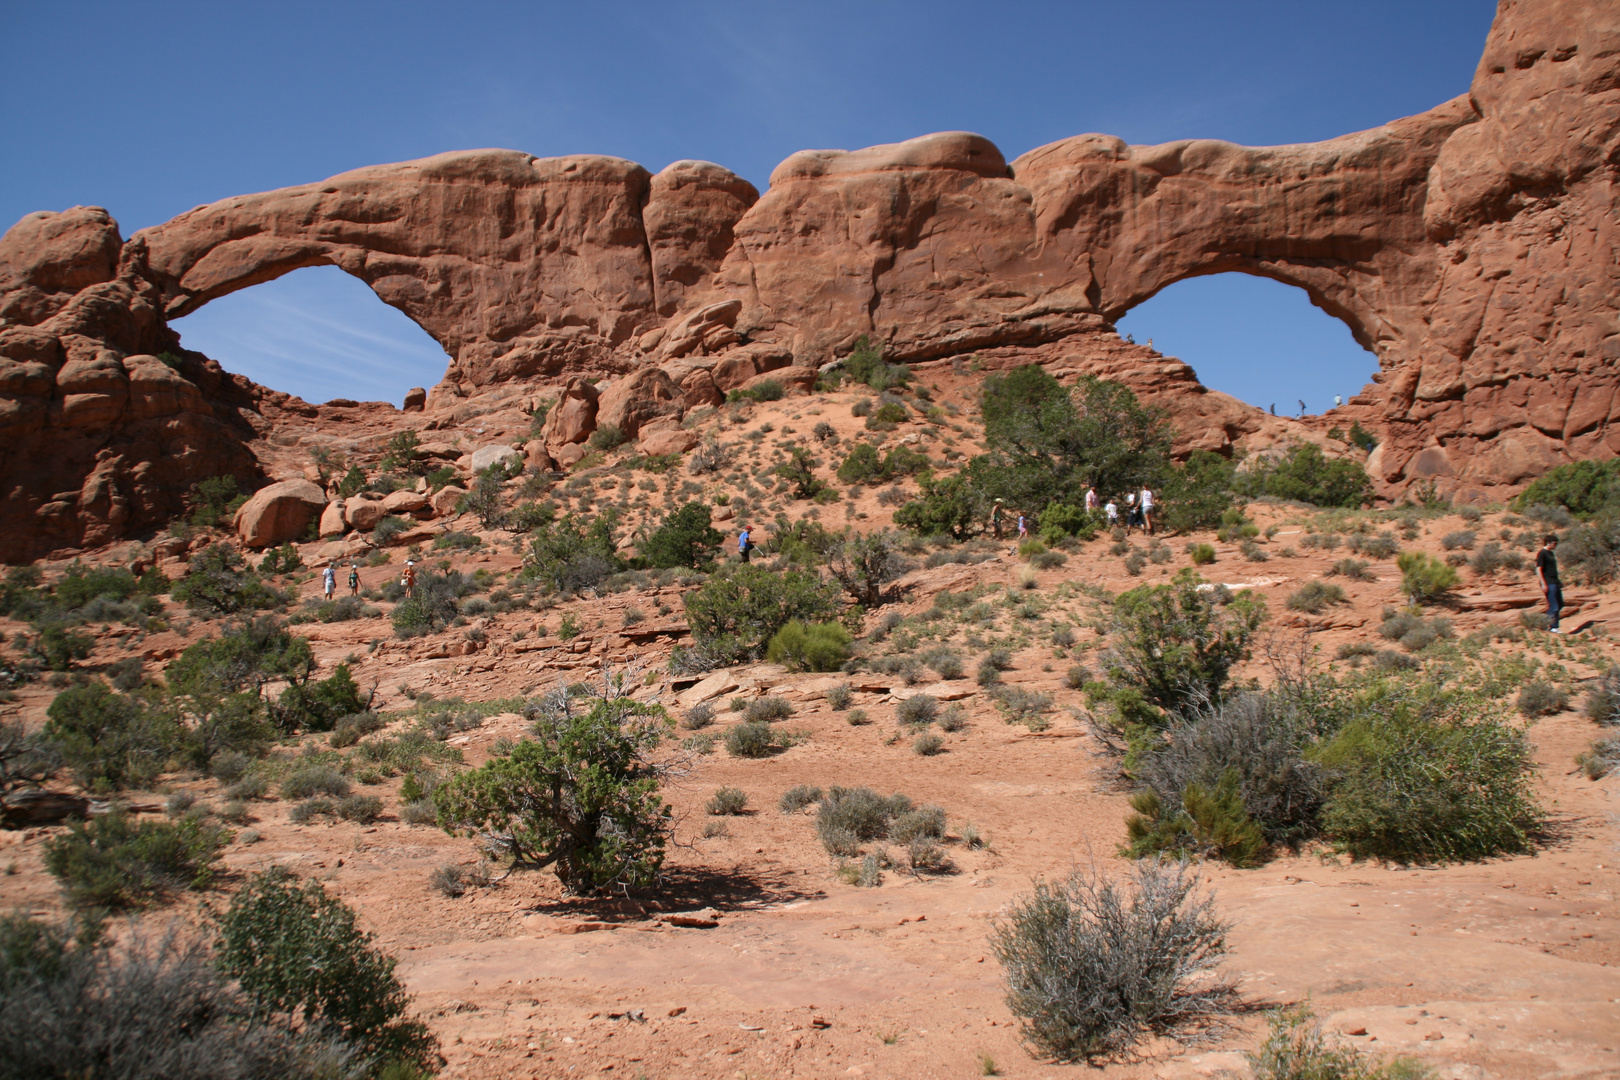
x: 1139, y: 506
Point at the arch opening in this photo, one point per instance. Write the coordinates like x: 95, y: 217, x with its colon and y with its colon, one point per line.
x: 1258, y: 339
x: 319, y: 333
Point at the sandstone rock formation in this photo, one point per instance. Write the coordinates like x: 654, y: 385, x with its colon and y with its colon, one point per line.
x: 1471, y: 247
x: 279, y: 512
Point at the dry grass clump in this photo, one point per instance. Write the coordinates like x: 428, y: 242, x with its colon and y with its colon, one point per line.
x: 727, y: 801
x: 1094, y: 964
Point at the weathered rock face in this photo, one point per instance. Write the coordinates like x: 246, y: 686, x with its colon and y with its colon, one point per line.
x: 1471, y: 247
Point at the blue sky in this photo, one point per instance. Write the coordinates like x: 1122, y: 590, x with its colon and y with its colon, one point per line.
x: 149, y: 109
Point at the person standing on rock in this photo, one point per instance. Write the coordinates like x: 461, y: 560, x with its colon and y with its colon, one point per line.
x: 354, y: 579
x: 745, y: 544
x: 329, y: 581
x: 409, y: 579
x: 1547, y: 575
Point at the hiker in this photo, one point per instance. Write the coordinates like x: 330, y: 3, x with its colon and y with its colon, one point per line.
x: 1023, y: 528
x: 1547, y: 575
x: 1338, y: 399
x: 1146, y: 503
x: 1091, y: 499
x: 354, y: 579
x: 1112, y: 513
x: 745, y: 544
x: 1302, y: 407
x: 995, y: 520
x: 1133, y: 512
x: 409, y: 579
x: 329, y: 580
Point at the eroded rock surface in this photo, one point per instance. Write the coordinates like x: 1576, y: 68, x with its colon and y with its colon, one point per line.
x: 1471, y: 247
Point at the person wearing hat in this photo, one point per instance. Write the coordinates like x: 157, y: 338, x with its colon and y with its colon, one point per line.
x: 409, y: 580
x: 354, y: 579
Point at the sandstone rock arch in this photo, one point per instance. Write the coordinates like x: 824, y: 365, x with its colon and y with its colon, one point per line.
x: 1471, y: 247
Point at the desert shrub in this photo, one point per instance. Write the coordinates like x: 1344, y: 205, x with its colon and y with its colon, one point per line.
x: 857, y: 717
x: 112, y: 862
x: 1491, y: 557
x: 728, y: 800
x: 360, y: 809
x: 1000, y: 659
x: 1251, y: 747
x: 434, y: 604
x: 109, y: 740
x: 1584, y: 488
x: 946, y: 662
x: 1541, y: 698
x: 297, y: 953
x: 769, y: 708
x: 699, y: 716
x: 1314, y: 596
x: 751, y: 739
x: 1354, y: 569
x: 856, y: 815
x: 798, y: 797
x: 214, y: 501
x: 809, y: 647
x: 1421, y: 774
x: 573, y: 554
x: 1201, y: 554
x: 1177, y: 643
x: 1296, y: 1048
x: 1022, y: 706
x: 1206, y: 820
x: 1077, y: 676
x: 1354, y: 650
x: 865, y: 364
x: 987, y: 674
x: 1603, y: 699
x: 418, y: 812
x: 352, y: 728
x: 1094, y: 964
x: 1048, y: 560
x: 1305, y: 474
x: 318, y: 705
x: 1388, y: 660
x: 947, y: 506
x: 310, y: 809
x: 75, y: 1005
x: 1413, y: 631
x: 1600, y: 759
x: 448, y: 880
x: 839, y: 696
x: 919, y: 709
x: 1425, y: 578
x: 927, y: 744
x: 737, y: 611
x: 608, y: 437
x: 581, y: 796
x: 687, y: 537
x: 924, y: 821
x: 308, y: 780
x: 1463, y: 539
x: 218, y: 582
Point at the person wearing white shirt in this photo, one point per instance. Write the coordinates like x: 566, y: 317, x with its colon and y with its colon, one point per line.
x: 1147, y: 510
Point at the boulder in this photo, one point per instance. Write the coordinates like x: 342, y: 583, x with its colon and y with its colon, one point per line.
x: 279, y: 513
x: 572, y: 418
x: 667, y: 440
x: 698, y: 389
x: 494, y: 454
x: 445, y: 499
x: 363, y: 513
x: 404, y: 502
x: 739, y: 365
x: 415, y: 399
x: 791, y: 378
x: 333, y: 522
x: 640, y: 398
x: 535, y: 457
x: 566, y: 456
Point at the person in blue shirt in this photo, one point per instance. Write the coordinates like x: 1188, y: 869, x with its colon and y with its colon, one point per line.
x: 745, y: 545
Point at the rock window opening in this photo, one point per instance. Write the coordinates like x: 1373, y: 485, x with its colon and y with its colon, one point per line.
x: 318, y: 333
x: 1257, y: 339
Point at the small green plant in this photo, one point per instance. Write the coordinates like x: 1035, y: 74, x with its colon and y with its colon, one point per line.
x: 839, y: 696
x: 810, y: 647
x: 297, y: 953
x: 918, y: 709
x: 1541, y: 698
x: 1297, y: 1048
x: 1425, y: 578
x: 728, y: 801
x: 699, y: 716
x: 928, y: 744
x: 1201, y: 554
x: 769, y: 708
x: 310, y: 780
x: 857, y: 717
x: 114, y: 863
x: 607, y: 437
x: 570, y: 628
x: 1209, y: 822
